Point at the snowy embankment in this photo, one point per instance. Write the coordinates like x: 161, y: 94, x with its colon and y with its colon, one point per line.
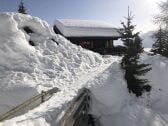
x: 33, y: 58
x: 113, y: 105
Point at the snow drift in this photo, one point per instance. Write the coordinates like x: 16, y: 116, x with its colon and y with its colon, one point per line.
x: 34, y: 58
x: 113, y: 105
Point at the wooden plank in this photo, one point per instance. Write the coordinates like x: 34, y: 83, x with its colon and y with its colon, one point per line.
x: 75, y: 110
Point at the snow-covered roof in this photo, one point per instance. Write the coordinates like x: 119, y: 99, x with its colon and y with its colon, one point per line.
x: 86, y: 28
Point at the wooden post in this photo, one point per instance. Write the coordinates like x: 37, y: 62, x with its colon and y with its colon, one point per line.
x: 42, y: 96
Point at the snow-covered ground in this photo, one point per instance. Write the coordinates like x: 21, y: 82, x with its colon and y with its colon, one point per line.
x: 52, y: 61
x: 113, y: 105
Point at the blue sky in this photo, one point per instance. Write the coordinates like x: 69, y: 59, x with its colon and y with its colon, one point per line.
x: 111, y: 11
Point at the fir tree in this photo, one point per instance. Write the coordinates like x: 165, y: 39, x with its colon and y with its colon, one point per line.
x: 130, y: 62
x: 161, y: 36
x: 165, y: 50
x: 21, y: 8
x: 158, y: 46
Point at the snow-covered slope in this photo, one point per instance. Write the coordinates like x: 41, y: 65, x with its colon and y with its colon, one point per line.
x: 34, y: 58
x: 113, y: 105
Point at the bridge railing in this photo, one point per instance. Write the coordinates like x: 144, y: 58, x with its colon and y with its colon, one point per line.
x: 77, y: 113
x: 42, y: 97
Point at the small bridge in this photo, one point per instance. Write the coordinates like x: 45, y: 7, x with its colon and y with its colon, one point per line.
x: 78, y: 112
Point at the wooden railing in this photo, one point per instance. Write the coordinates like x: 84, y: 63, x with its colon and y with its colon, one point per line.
x: 43, y: 96
x: 77, y: 113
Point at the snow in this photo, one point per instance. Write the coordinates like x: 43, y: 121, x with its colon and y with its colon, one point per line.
x: 85, y: 23
x: 112, y: 104
x: 86, y: 28
x: 25, y: 70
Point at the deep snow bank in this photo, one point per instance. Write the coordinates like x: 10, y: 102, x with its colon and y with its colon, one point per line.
x: 34, y: 58
x: 113, y: 105
x: 158, y: 78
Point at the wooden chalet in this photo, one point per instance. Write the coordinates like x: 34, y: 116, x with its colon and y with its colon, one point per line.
x: 94, y: 35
